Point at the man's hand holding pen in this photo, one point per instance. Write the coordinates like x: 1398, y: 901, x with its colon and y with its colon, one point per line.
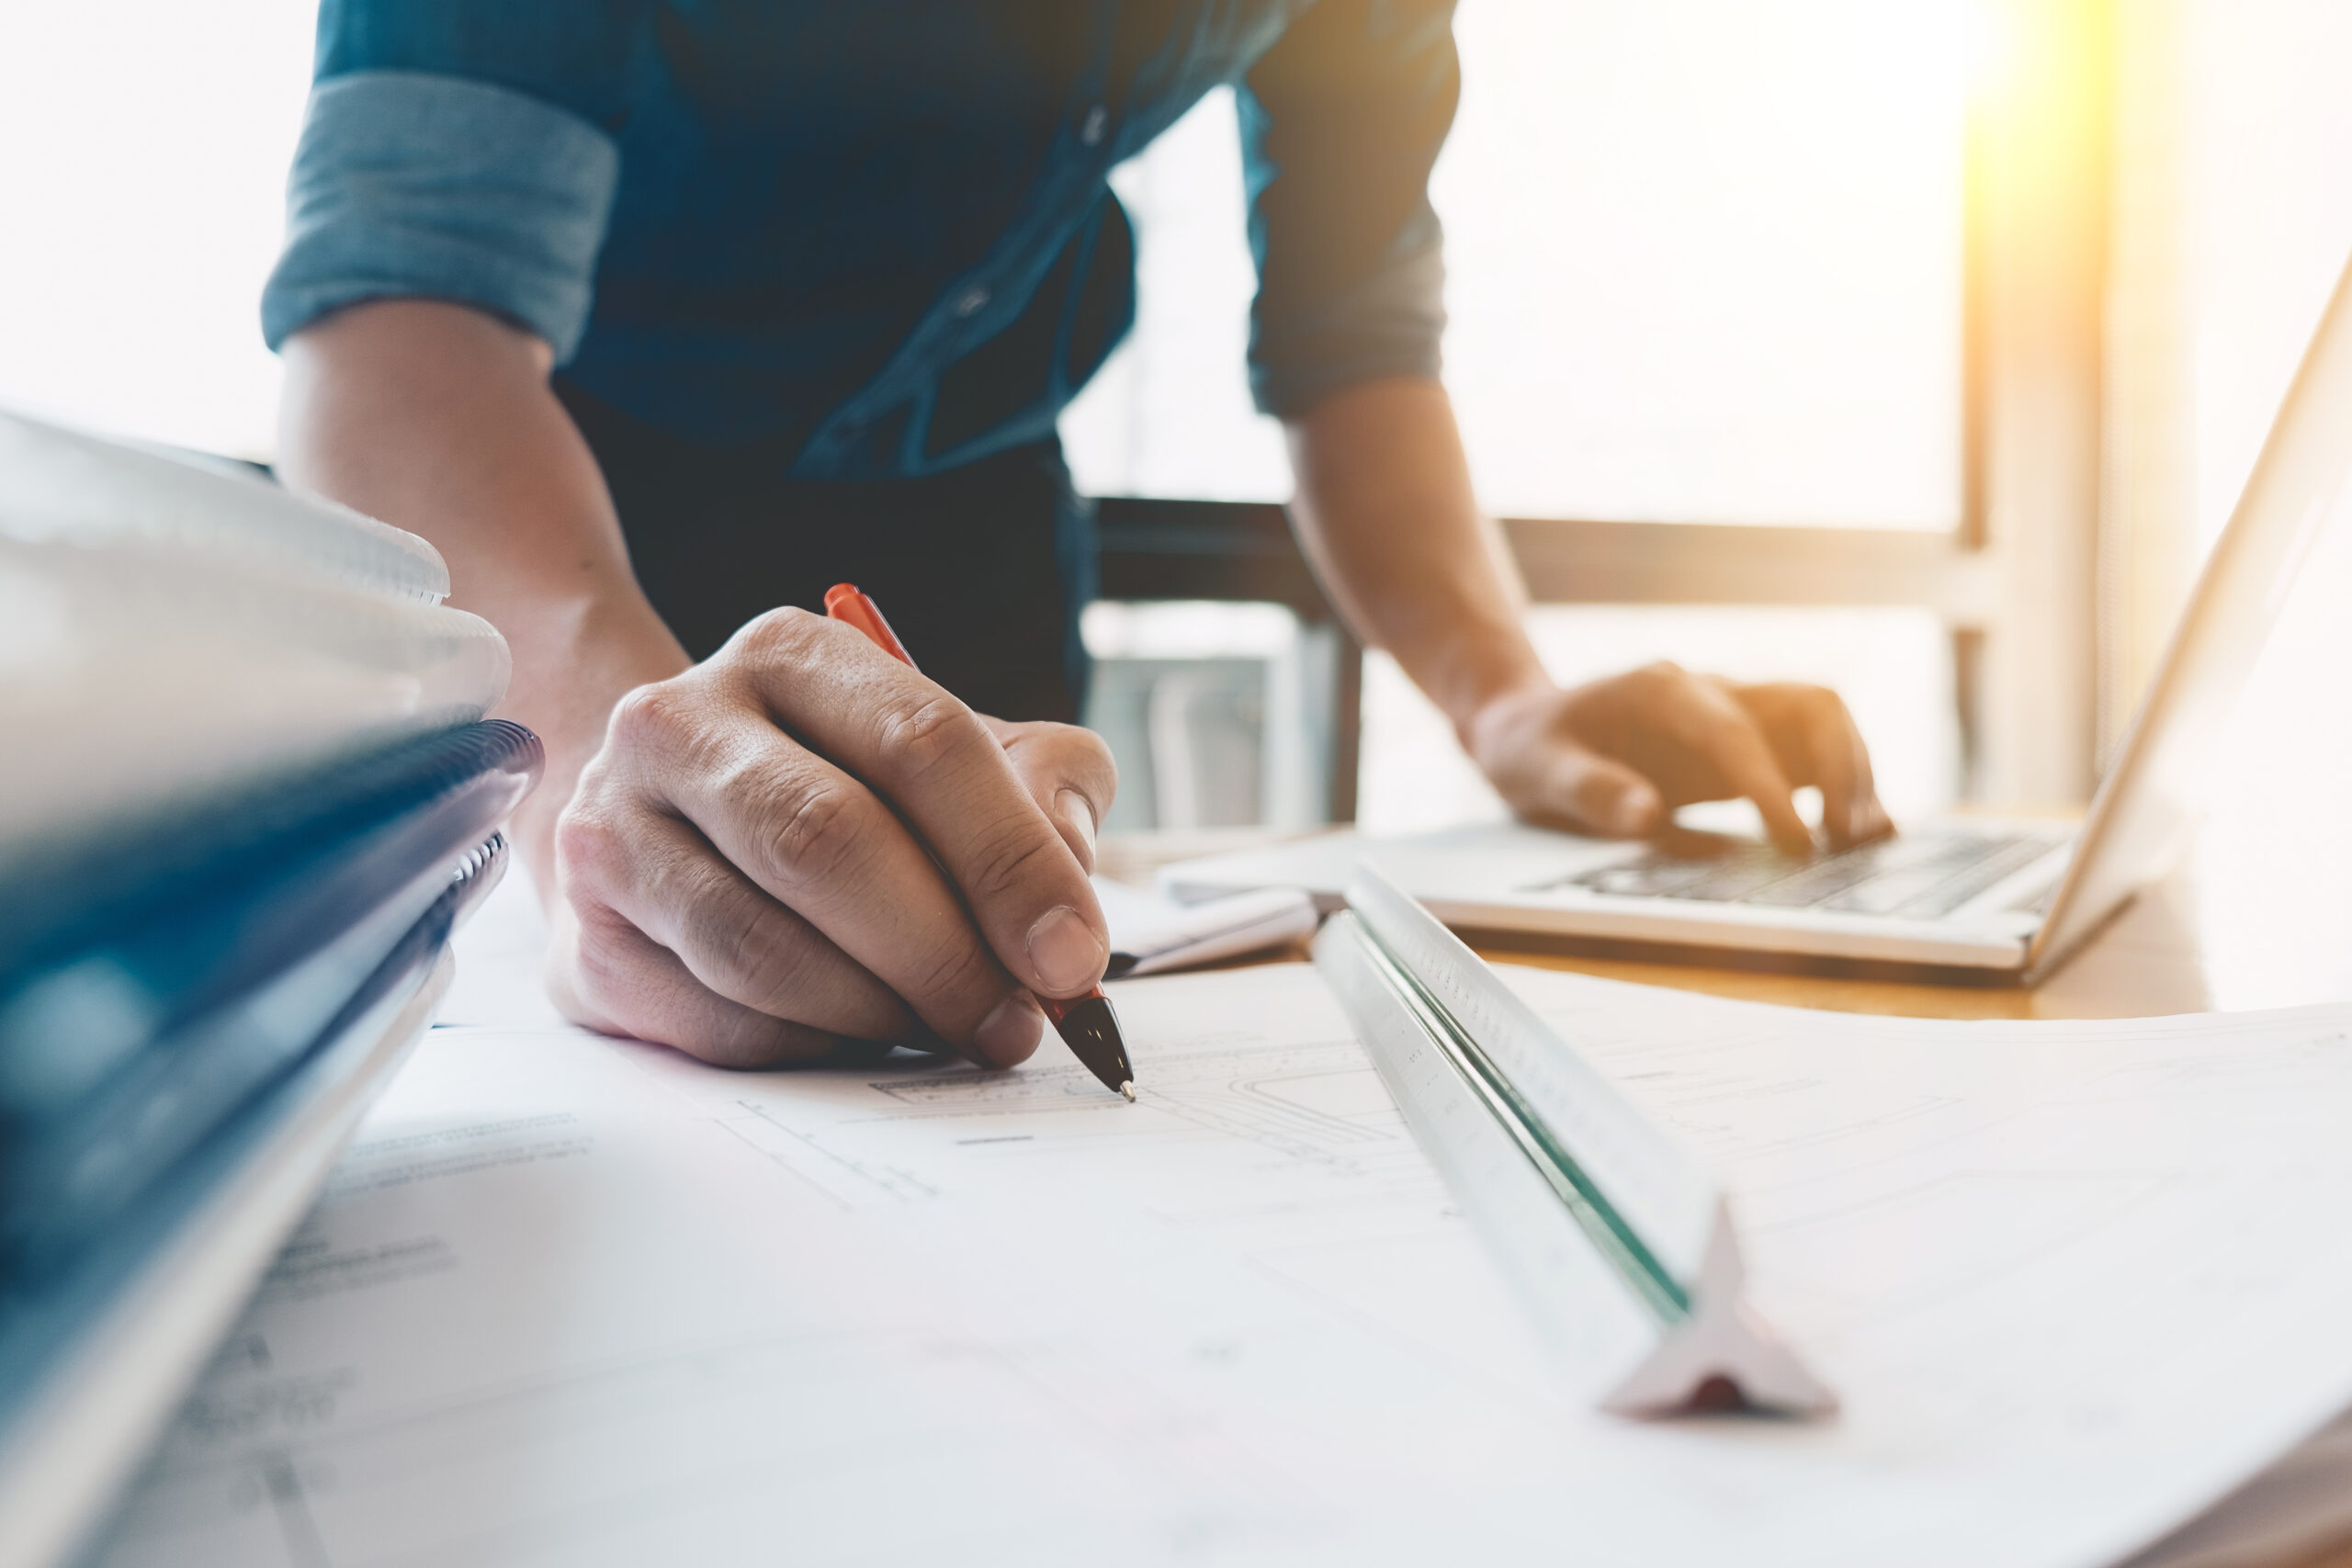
x: 802, y: 843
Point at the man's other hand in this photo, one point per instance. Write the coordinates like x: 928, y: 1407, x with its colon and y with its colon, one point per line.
x: 1616, y: 756
x: 800, y: 843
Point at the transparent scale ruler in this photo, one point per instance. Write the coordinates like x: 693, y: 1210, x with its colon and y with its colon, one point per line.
x: 1616, y: 1238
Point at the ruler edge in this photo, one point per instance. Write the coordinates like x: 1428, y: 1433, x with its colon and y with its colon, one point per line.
x: 1721, y: 1338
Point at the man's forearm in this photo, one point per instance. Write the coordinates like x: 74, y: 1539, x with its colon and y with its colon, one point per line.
x: 438, y: 419
x: 1385, y: 513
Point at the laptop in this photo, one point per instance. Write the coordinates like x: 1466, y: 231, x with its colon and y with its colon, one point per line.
x: 1996, y: 898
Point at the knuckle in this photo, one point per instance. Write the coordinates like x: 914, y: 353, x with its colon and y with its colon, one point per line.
x: 916, y: 743
x: 597, y: 968
x: 782, y: 633
x: 657, y: 715
x: 958, y: 972
x: 1013, y: 856
x: 1090, y: 755
x: 822, y: 832
x: 1069, y: 741
x: 603, y: 777
x: 760, y: 947
x: 588, y: 846
x: 1661, y: 677
x: 1064, y: 756
x: 746, y: 1040
x: 1574, y: 775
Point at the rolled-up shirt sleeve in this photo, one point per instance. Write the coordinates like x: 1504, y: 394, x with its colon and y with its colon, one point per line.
x: 1341, y: 122
x: 411, y: 182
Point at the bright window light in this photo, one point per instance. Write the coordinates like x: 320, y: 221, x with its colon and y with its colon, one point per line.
x: 2268, y: 216
x: 1170, y: 415
x: 1704, y: 259
x: 143, y: 148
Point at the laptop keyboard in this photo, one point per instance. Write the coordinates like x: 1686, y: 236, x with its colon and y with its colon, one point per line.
x: 1917, y: 876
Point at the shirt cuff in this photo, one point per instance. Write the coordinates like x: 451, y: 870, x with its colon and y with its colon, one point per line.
x: 407, y: 183
x: 1388, y: 325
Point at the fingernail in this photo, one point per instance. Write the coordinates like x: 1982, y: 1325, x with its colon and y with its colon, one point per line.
x: 1065, y: 952
x: 1078, y: 815
x: 1010, y: 1034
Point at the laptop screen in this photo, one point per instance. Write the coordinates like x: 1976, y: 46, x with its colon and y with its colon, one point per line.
x: 2156, y: 790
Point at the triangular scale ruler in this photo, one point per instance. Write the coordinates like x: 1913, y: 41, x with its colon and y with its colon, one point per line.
x: 1616, y: 1236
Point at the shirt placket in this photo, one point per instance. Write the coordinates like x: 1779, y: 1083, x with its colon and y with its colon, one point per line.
x: 975, y: 306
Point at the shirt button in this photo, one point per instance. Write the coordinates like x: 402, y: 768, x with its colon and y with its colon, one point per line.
x: 1098, y: 121
x: 970, y: 301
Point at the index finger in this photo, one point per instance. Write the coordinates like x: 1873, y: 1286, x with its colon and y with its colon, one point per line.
x: 1704, y: 718
x: 1812, y: 725
x: 910, y: 742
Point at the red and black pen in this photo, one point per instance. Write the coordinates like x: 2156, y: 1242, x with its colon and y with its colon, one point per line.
x: 1086, y: 1024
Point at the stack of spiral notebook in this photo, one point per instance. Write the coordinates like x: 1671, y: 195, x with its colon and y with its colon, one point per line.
x: 249, y: 791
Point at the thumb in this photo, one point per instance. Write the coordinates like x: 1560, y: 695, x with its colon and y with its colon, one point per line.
x: 1596, y: 794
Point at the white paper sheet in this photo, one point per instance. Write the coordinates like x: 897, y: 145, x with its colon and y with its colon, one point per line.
x: 575, y: 1301
x: 1153, y: 935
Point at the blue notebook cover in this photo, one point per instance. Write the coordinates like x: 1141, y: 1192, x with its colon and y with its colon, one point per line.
x: 42, y: 1315
x: 151, y: 985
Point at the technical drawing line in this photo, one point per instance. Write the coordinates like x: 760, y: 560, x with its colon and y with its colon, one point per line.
x: 893, y: 1182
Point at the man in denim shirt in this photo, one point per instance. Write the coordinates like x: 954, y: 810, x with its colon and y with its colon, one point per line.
x: 655, y: 316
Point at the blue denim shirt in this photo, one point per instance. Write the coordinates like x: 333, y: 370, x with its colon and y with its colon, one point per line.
x: 879, y: 233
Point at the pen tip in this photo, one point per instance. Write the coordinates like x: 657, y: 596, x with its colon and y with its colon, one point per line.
x: 1092, y: 1031
x: 1129, y: 1090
